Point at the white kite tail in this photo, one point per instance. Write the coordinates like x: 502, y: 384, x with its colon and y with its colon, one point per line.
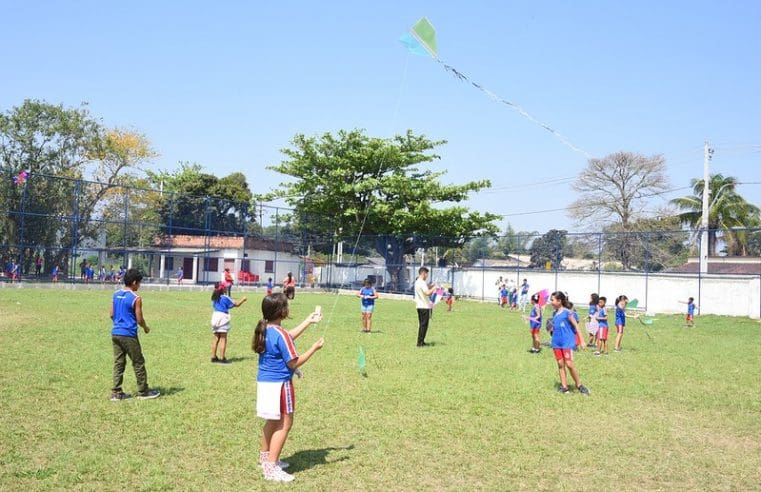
x: 495, y: 97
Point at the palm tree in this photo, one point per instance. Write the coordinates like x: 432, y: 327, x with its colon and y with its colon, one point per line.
x: 727, y: 211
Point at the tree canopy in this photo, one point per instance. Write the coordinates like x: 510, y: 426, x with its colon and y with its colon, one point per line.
x: 193, y: 201
x: 727, y: 210
x: 349, y: 183
x: 56, y: 145
x: 614, y: 189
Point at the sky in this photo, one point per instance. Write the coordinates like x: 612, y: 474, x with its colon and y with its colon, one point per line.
x: 228, y: 84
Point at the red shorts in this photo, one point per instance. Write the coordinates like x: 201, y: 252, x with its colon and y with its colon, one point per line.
x: 287, y: 398
x: 269, y: 292
x: 561, y: 354
x: 619, y: 328
x: 689, y: 317
x: 535, y: 331
x: 449, y: 301
x: 504, y: 300
x: 602, y: 333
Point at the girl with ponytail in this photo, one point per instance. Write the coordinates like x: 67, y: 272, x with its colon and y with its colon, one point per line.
x: 278, y: 361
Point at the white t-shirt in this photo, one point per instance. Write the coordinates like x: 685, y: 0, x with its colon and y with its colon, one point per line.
x: 422, y: 301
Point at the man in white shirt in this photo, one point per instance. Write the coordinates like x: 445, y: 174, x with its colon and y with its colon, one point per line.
x: 423, y: 293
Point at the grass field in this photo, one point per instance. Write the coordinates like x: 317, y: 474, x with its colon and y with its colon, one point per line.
x: 473, y: 411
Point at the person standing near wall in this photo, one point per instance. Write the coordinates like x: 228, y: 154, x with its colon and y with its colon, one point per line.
x: 423, y: 292
x: 228, y: 281
x: 289, y: 286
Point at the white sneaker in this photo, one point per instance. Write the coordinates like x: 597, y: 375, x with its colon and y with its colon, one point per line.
x: 264, y: 457
x: 276, y: 474
x: 282, y: 464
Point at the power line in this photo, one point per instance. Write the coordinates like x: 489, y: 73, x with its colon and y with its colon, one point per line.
x: 571, y: 207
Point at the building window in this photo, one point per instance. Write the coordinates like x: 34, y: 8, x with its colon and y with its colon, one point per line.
x: 269, y: 266
x: 169, y: 263
x: 245, y: 265
x: 211, y: 264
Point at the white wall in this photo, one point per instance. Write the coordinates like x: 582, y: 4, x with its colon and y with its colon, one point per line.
x: 659, y: 293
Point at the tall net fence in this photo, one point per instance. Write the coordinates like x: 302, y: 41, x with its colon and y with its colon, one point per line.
x: 85, y: 231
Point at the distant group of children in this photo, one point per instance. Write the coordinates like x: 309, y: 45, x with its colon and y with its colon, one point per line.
x: 87, y: 273
x: 566, y: 335
x: 512, y: 296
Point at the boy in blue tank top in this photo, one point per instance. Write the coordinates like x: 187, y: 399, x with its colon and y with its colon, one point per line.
x: 127, y: 315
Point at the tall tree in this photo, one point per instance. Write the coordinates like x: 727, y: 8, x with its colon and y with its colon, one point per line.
x: 194, y: 201
x: 614, y: 189
x: 52, y: 210
x: 727, y: 210
x: 513, y: 242
x: 355, y: 183
x: 550, y: 247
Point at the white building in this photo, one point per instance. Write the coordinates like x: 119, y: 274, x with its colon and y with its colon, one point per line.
x: 204, y: 259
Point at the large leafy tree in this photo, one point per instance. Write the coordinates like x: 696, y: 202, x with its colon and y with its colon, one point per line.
x: 727, y: 210
x: 356, y: 184
x: 52, y: 211
x: 549, y: 248
x: 194, y: 201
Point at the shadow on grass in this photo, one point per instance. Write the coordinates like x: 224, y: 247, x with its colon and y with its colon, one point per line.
x: 169, y: 391
x: 309, y: 458
x: 240, y: 358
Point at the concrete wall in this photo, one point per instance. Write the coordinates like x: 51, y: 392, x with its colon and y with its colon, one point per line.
x: 658, y: 293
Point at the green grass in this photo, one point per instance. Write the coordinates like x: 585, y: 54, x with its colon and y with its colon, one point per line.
x: 474, y: 411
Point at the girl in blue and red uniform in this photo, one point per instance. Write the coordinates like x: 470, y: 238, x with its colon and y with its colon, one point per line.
x: 602, y: 332
x: 278, y: 361
x: 564, y: 332
x: 621, y: 315
x: 690, y: 318
x: 535, y: 323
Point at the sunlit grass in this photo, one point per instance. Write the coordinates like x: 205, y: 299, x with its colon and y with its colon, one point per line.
x: 473, y: 411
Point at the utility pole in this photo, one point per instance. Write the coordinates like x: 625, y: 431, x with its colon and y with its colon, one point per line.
x: 707, y: 153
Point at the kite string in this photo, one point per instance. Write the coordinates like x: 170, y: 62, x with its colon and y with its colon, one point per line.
x: 495, y: 97
x: 367, y: 206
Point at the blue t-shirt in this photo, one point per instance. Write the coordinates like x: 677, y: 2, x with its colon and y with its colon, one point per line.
x: 503, y: 293
x: 367, y: 294
x: 575, y: 316
x: 269, y: 284
x: 535, y: 313
x: 279, y: 349
x: 524, y: 289
x: 179, y: 273
x: 223, y: 304
x: 125, y: 322
x: 600, y: 313
x: 55, y: 271
x: 691, y: 309
x: 620, y: 317
x: 592, y: 309
x: 564, y: 334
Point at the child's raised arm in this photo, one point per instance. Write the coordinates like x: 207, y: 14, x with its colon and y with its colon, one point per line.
x: 238, y: 303
x: 315, y: 317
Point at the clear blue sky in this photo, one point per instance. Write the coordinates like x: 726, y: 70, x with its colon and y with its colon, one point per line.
x: 227, y: 84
